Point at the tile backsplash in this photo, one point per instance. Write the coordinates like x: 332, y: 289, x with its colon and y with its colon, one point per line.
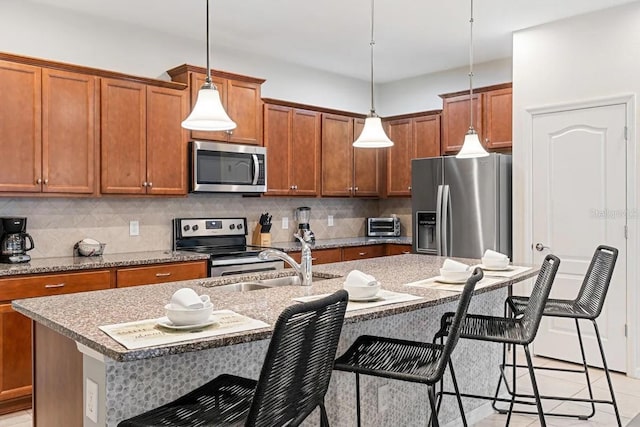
x: 57, y: 223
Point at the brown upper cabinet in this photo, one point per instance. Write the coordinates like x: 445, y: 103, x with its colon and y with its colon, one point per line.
x: 292, y: 139
x: 48, y: 130
x: 240, y: 96
x: 143, y: 147
x: 347, y: 171
x: 492, y: 107
x: 414, y: 136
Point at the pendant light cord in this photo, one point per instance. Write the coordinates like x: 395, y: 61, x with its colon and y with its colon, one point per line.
x: 372, y: 44
x: 471, y: 69
x: 208, y: 78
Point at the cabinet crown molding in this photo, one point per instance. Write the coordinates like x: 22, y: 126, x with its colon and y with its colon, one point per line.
x: 180, y: 69
x: 477, y: 90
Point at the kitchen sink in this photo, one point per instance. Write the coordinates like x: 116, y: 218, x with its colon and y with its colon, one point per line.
x: 264, y: 284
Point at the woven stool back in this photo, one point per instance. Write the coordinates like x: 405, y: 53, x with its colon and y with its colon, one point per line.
x: 298, y: 365
x: 532, y: 314
x: 596, y: 282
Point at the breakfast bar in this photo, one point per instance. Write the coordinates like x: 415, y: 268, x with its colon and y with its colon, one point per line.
x: 82, y: 376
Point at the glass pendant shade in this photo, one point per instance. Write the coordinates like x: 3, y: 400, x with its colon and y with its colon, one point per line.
x: 208, y: 114
x: 373, y: 135
x: 471, y: 147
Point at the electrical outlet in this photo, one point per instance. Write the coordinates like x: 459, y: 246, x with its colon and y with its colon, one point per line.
x: 285, y: 223
x: 384, y: 397
x: 134, y: 228
x: 330, y: 221
x: 91, y: 401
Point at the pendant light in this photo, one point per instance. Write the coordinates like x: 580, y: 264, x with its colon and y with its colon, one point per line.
x: 208, y: 114
x: 471, y: 146
x: 373, y: 135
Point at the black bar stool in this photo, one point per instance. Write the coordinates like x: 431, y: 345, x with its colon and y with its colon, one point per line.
x: 519, y: 330
x: 293, y: 381
x: 412, y: 361
x: 587, y: 305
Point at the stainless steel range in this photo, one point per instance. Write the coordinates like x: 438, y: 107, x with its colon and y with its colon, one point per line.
x: 225, y: 240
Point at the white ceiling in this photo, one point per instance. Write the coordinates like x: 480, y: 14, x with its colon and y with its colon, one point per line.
x: 413, y: 37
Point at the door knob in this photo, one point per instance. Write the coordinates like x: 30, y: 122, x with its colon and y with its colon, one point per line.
x: 540, y: 247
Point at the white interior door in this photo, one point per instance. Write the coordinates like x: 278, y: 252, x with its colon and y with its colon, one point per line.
x: 579, y: 202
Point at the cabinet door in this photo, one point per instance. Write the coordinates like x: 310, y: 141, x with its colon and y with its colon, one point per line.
x: 397, y: 249
x: 15, y: 355
x: 497, y: 115
x: 197, y: 80
x: 166, y: 141
x: 304, y: 162
x: 277, y: 140
x: 426, y: 136
x: 337, y: 151
x: 20, y: 127
x: 399, y: 157
x: 320, y: 256
x: 244, y: 106
x: 68, y: 132
x: 362, y: 252
x: 123, y: 130
x: 366, y: 166
x: 161, y: 273
x: 455, y: 121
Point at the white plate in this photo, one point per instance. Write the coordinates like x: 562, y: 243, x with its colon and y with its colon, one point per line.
x: 442, y: 279
x: 166, y: 323
x: 484, y: 267
x: 368, y: 299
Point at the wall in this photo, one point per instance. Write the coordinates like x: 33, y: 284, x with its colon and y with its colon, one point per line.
x: 584, y: 58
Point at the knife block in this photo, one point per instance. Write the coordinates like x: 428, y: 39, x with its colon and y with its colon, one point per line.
x: 260, y: 239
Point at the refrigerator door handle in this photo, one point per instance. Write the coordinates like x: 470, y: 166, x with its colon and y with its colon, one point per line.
x: 446, y: 220
x: 439, y: 221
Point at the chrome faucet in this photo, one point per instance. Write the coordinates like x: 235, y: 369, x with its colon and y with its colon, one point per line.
x: 303, y: 269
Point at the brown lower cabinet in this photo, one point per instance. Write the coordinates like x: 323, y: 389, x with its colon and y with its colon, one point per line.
x: 351, y: 253
x: 363, y: 252
x: 397, y: 249
x: 321, y: 256
x: 15, y: 329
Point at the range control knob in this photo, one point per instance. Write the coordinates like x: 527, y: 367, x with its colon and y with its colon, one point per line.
x: 186, y: 227
x: 232, y: 226
x: 239, y: 226
x: 195, y: 227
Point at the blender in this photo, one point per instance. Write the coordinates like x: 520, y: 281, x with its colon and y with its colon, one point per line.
x: 303, y: 215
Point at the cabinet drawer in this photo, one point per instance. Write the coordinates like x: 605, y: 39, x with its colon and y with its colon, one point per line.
x: 160, y: 273
x: 53, y: 284
x: 320, y: 256
x: 398, y: 249
x: 362, y: 252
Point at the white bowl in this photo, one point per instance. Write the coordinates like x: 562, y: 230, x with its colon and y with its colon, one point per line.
x: 362, y: 292
x: 495, y: 262
x: 186, y: 316
x: 90, y: 247
x: 455, y: 275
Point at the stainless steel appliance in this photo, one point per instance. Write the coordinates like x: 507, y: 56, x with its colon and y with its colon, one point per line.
x: 381, y: 227
x: 13, y: 240
x: 222, y: 167
x: 461, y: 207
x: 225, y: 240
x: 303, y: 216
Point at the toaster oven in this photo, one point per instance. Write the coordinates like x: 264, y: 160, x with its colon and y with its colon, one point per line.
x: 383, y: 227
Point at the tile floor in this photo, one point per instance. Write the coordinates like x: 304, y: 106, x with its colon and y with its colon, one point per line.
x: 627, y: 394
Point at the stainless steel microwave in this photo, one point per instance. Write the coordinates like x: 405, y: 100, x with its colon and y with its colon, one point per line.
x: 383, y: 227
x: 227, y: 168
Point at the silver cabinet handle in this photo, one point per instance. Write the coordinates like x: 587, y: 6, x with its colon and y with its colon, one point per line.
x: 540, y: 247
x: 163, y: 274
x: 350, y: 188
x: 314, y: 259
x: 409, y: 188
x: 362, y: 253
x: 57, y: 285
x: 356, y: 188
x: 150, y: 184
x: 38, y: 181
x: 144, y: 184
x: 46, y: 181
x: 406, y: 252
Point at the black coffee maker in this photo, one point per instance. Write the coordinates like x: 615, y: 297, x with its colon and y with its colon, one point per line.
x: 13, y: 240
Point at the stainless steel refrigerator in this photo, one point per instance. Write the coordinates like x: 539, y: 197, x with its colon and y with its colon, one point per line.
x: 461, y: 207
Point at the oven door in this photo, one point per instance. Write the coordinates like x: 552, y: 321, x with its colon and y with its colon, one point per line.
x: 254, y: 267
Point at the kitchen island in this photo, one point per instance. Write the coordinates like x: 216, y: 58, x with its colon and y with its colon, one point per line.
x: 71, y: 351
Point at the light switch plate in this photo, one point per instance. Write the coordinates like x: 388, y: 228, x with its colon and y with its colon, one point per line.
x: 285, y: 223
x: 91, y: 401
x: 330, y: 221
x: 134, y: 228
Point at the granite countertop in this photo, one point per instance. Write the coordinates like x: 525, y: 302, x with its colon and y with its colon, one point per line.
x: 77, y: 316
x: 60, y: 264
x: 343, y: 242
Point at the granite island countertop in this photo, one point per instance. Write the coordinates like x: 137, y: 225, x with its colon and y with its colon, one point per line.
x: 78, y: 316
x: 71, y: 263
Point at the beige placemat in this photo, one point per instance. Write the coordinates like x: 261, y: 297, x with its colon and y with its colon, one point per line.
x: 384, y: 298
x: 512, y: 271
x: 432, y: 283
x: 147, y: 333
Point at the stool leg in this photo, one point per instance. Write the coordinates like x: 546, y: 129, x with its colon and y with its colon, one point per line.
x: 455, y: 388
x: 534, y: 385
x: 358, y: 398
x: 324, y: 419
x: 586, y: 370
x: 432, y: 405
x: 606, y: 371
